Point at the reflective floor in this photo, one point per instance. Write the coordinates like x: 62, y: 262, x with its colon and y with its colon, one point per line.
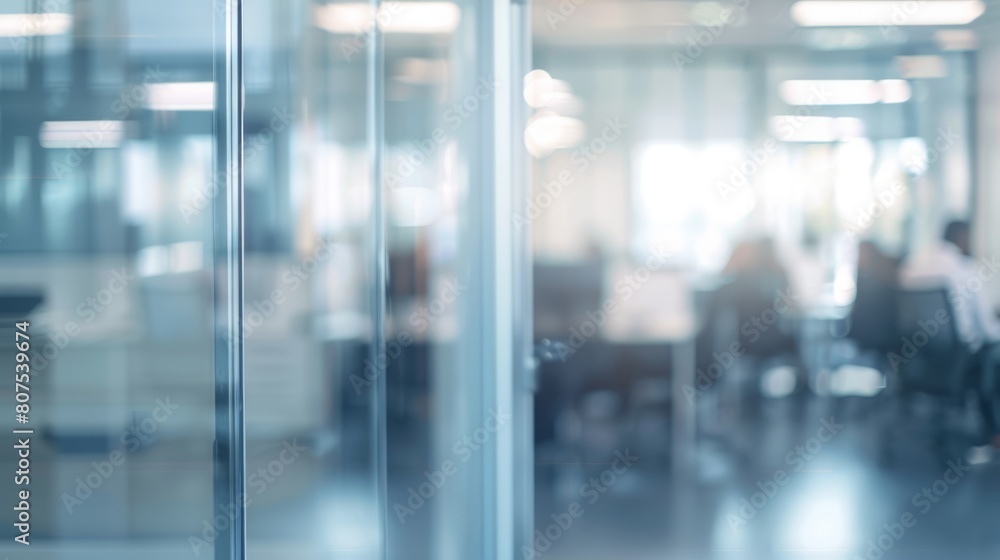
x: 773, y: 490
x: 798, y: 479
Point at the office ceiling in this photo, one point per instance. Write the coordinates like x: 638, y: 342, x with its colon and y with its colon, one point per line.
x: 756, y: 23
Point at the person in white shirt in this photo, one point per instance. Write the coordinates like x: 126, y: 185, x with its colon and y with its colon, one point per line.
x: 948, y: 263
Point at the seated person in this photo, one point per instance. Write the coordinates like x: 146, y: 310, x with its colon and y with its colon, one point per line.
x: 755, y: 280
x: 948, y: 263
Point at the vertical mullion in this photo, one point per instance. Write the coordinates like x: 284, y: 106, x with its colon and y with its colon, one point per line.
x: 502, y: 259
x: 375, y: 125
x: 494, y: 291
x: 523, y: 343
x: 227, y: 214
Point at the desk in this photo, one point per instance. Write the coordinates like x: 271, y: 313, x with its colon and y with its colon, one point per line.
x: 662, y: 312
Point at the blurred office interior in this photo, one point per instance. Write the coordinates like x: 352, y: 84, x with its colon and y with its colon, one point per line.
x: 572, y: 279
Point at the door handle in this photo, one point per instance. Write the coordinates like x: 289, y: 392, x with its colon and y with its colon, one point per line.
x: 551, y: 350
x: 545, y: 351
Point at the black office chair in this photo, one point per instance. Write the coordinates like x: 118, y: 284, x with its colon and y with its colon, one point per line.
x: 940, y: 366
x: 873, y: 317
x: 937, y: 364
x: 874, y: 320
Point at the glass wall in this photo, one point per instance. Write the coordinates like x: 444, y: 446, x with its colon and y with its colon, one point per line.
x: 368, y: 251
x: 108, y: 180
x: 283, y: 217
x: 727, y: 200
x: 366, y: 181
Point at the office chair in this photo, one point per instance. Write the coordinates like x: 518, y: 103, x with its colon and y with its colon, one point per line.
x: 929, y: 359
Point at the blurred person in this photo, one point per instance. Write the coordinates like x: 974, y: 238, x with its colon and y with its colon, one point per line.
x: 747, y: 309
x: 763, y: 290
x: 948, y: 263
x: 741, y: 259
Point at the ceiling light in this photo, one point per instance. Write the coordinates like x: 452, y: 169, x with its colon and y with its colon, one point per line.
x: 795, y: 128
x: 841, y: 13
x: 922, y: 66
x: 895, y: 91
x: 844, y: 92
x: 81, y: 134
x: 29, y: 25
x: 182, y: 96
x: 956, y: 39
x: 394, y: 17
x: 422, y: 70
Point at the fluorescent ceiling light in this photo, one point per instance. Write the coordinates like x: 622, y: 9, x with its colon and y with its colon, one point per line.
x: 840, y: 13
x: 895, y: 91
x: 626, y: 15
x: 422, y: 70
x: 29, y: 25
x: 81, y: 134
x: 844, y: 92
x: 922, y: 66
x: 956, y: 39
x: 182, y: 96
x: 795, y: 128
x: 395, y: 17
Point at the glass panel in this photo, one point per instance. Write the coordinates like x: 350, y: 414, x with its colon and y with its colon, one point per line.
x: 731, y: 202
x: 107, y: 150
x: 378, y: 378
x: 310, y: 325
